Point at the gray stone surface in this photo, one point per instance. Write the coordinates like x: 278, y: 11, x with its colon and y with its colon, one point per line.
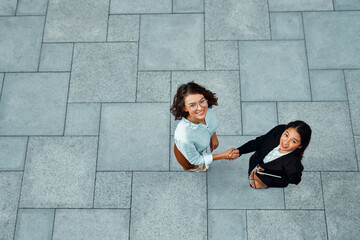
x: 82, y: 119
x: 347, y: 4
x: 92, y: 224
x: 20, y: 39
x: 34, y: 224
x: 8, y: 7
x: 342, y: 204
x: 104, y: 72
x: 169, y: 206
x: 185, y: 6
x: 297, y: 225
x: 33, y: 103
x: 76, y: 21
x: 126, y: 144
x: 59, y: 172
x: 12, y: 153
x: 56, y: 57
x: 236, y: 20
x: 124, y: 28
x: 227, y: 224
x: 113, y: 190
x: 300, y: 5
x: 329, y: 44
x: 307, y: 195
x: 10, y: 183
x: 286, y: 26
x: 140, y: 6
x: 332, y: 145
x: 352, y: 79
x: 226, y: 86
x: 328, y: 85
x: 174, y: 164
x: 171, y: 42
x: 258, y: 117
x: 273, y: 71
x: 32, y: 7
x: 357, y: 146
x: 228, y: 184
x: 153, y: 87
x: 221, y: 55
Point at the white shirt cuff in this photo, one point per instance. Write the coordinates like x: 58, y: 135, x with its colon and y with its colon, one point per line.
x: 208, y: 157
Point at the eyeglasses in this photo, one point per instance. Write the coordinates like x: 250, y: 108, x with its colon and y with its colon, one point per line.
x: 203, y: 103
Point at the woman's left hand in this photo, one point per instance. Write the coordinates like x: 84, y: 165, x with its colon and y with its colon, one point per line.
x: 214, y: 142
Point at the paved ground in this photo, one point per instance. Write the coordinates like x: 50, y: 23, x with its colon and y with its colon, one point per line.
x: 86, y: 133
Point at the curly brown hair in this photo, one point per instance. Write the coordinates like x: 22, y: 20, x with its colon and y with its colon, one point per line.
x: 178, y: 107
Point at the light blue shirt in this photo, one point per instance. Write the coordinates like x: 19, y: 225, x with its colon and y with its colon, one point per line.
x: 192, y: 139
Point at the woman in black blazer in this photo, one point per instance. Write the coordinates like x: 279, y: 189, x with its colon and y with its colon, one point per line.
x: 277, y: 158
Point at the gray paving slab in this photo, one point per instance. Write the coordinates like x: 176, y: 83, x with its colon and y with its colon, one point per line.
x: 126, y: 144
x: 330, y: 121
x: 12, y: 153
x: 286, y: 26
x: 281, y: 224
x: 236, y: 20
x: 153, y: 87
x: 31, y: 7
x: 226, y: 86
x: 169, y: 205
x: 328, y: 85
x: 8, y: 7
x: 59, y: 172
x: 342, y: 204
x: 91, y: 224
x: 307, y: 195
x: 301, y: 5
x: 104, y: 72
x: 34, y: 224
x: 10, y: 183
x: 82, y: 119
x: 33, y: 103
x: 330, y: 45
x: 352, y: 79
x: 113, y: 190
x: 174, y: 164
x: 258, y: 117
x: 140, y: 6
x: 277, y: 65
x: 123, y: 28
x: 76, y: 21
x: 357, y: 146
x: 20, y: 39
x: 228, y: 184
x: 56, y: 57
x: 188, y: 6
x: 347, y: 5
x: 227, y: 224
x: 221, y: 55
x: 171, y: 42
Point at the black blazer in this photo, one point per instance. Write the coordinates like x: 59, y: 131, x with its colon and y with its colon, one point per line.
x: 289, y: 167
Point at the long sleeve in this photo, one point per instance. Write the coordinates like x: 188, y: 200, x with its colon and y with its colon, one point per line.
x: 193, y: 156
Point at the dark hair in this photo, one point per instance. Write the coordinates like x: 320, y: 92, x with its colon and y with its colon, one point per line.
x: 177, y: 108
x: 304, y: 131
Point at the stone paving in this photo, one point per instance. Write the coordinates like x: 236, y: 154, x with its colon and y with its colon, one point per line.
x: 86, y: 136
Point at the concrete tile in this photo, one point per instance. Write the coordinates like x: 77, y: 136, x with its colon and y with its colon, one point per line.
x: 34, y: 224
x: 236, y: 20
x: 352, y: 79
x: 328, y: 85
x: 104, y: 72
x: 121, y: 137
x: 12, y: 153
x: 258, y: 117
x: 31, y: 7
x: 153, y: 87
x: 175, y: 210
x: 341, y: 193
x: 112, y: 190
x: 91, y: 224
x: 227, y: 224
x: 20, y: 39
x: 10, y: 183
x: 140, y: 6
x: 222, y: 55
x: 76, y: 21
x: 174, y: 164
x: 226, y: 86
x: 59, y: 172
x: 330, y: 45
x: 124, y: 28
x: 296, y: 224
x: 228, y: 184
x: 300, y: 5
x: 286, y: 26
x: 357, y: 146
x: 277, y: 65
x: 332, y: 144
x: 347, y: 5
x: 184, y: 6
x: 7, y: 7
x: 33, y: 103
x: 56, y: 57
x: 171, y: 42
x: 82, y: 119
x: 307, y: 195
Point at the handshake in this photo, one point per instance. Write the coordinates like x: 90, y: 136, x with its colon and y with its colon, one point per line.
x: 231, y: 154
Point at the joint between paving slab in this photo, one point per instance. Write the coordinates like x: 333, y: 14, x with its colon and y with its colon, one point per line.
x: 170, y: 123
x: 53, y: 226
x: 68, y: 92
x: 108, y: 21
x: 2, y: 86
x: 131, y: 193
x: 268, y: 5
x: 97, y: 156
x: 323, y: 198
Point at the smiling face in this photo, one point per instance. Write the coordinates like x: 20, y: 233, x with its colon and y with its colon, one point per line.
x: 196, y: 105
x: 290, y: 140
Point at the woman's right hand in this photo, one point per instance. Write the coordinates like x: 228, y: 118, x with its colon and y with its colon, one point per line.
x: 232, y: 154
